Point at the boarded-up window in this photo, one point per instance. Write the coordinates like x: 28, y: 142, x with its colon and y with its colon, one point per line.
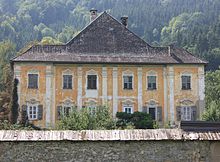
x: 151, y: 83
x: 127, y: 82
x: 186, y: 82
x: 67, y: 81
x: 33, y: 81
x: 91, y: 82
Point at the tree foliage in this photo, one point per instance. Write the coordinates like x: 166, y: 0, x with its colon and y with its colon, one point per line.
x: 212, y: 112
x: 83, y: 119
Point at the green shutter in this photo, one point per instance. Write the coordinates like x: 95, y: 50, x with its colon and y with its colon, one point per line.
x: 24, y: 114
x: 193, y: 113
x: 178, y: 113
x: 59, y: 109
x: 159, y: 113
x: 40, y: 112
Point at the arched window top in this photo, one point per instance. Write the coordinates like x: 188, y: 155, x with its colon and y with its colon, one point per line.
x: 151, y: 73
x: 152, y: 102
x: 186, y: 102
x: 67, y: 72
x: 92, y: 72
x: 127, y: 72
x: 128, y: 102
x: 68, y: 102
x: 32, y: 101
x: 186, y: 73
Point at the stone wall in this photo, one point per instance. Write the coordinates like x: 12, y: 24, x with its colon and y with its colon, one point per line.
x: 82, y: 146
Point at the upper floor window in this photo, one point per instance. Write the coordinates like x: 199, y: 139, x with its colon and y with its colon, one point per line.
x: 128, y: 82
x: 186, y: 82
x: 92, y: 82
x: 67, y: 81
x: 33, y: 81
x: 151, y: 82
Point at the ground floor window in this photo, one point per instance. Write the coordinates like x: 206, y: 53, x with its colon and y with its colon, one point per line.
x: 32, y: 112
x: 128, y: 109
x: 186, y: 113
x: 152, y: 112
x: 66, y: 110
x: 92, y: 109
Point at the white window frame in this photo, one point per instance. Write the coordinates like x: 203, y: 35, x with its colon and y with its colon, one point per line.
x: 127, y: 73
x: 186, y: 115
x: 92, y: 72
x: 38, y: 76
x: 68, y: 72
x: 186, y: 74
x: 151, y: 73
x: 128, y: 107
x: 29, y: 106
x: 63, y: 81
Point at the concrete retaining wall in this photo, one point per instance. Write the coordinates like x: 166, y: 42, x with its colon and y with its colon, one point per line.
x: 116, y: 145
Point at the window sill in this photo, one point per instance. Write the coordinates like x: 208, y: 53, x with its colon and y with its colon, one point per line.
x: 128, y: 89
x: 33, y: 88
x: 186, y: 89
x: 151, y: 89
x: 67, y: 89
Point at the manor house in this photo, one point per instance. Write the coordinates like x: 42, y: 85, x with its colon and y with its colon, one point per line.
x: 107, y: 64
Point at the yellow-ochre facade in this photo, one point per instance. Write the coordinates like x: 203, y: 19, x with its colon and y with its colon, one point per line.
x: 168, y: 94
x: 107, y: 64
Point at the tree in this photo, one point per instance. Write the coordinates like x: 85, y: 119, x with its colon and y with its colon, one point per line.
x: 212, y: 96
x: 14, y: 107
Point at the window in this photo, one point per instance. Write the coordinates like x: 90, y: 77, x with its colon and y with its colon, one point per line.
x: 33, y: 81
x: 67, y: 81
x: 127, y: 82
x: 128, y: 109
x: 91, y: 82
x: 152, y: 112
x: 186, y: 82
x: 151, y: 83
x: 186, y: 113
x: 32, y: 112
x: 66, y: 110
x: 92, y: 109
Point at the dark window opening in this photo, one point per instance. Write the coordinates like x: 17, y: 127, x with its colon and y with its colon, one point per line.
x: 186, y: 82
x: 92, y: 82
x: 67, y: 81
x: 33, y: 81
x: 128, y: 82
x: 152, y: 112
x: 151, y: 80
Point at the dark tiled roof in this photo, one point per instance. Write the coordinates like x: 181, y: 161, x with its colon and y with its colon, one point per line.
x: 105, y: 40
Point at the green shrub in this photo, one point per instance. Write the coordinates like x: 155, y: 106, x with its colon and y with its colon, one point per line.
x: 6, y: 125
x: 84, y: 120
x: 139, y: 120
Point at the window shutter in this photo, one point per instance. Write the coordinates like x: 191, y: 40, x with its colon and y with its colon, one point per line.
x: 159, y: 113
x: 40, y: 112
x: 59, y: 108
x: 178, y: 113
x: 193, y: 113
x: 24, y: 114
x: 144, y: 109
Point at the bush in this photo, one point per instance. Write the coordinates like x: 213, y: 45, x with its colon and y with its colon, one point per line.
x: 139, y: 120
x: 6, y: 125
x: 84, y: 120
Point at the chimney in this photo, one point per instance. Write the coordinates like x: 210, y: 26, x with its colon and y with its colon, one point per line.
x: 93, y: 14
x: 124, y: 20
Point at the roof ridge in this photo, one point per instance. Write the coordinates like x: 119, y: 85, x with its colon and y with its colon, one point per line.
x: 83, y: 29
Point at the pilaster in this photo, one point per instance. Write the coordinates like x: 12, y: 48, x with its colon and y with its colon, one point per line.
x: 115, y: 91
x: 140, y: 90
x: 79, y: 95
